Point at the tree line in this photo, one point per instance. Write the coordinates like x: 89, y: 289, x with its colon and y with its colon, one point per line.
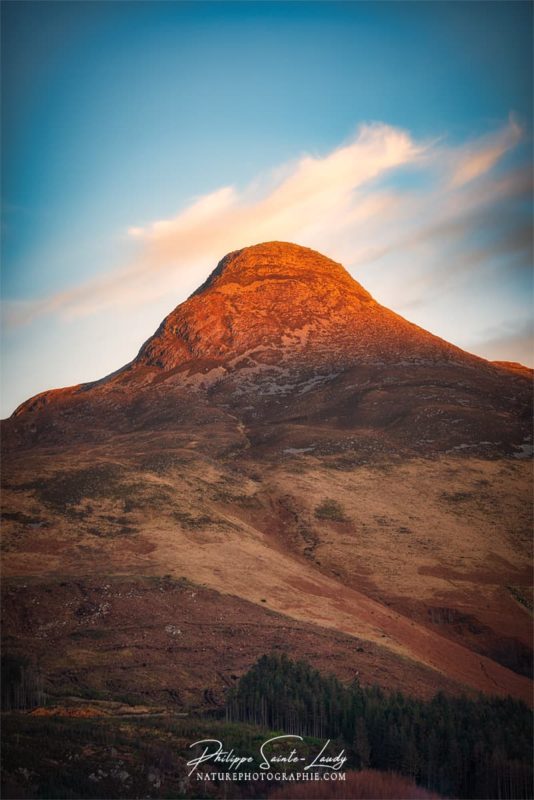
x: 458, y: 746
x: 21, y: 684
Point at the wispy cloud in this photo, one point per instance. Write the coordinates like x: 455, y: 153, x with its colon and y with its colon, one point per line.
x: 471, y: 162
x: 402, y: 214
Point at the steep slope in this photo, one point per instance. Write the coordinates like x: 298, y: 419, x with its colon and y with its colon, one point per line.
x: 284, y: 426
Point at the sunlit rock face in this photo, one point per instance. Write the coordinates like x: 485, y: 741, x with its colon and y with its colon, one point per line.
x: 279, y: 303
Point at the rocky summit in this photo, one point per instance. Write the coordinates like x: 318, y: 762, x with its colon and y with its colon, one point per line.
x: 285, y: 465
x: 281, y: 335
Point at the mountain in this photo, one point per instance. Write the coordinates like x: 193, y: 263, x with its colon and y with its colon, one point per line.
x: 286, y: 464
x: 278, y: 322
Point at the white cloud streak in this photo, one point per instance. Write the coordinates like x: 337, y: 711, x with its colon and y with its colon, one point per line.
x: 390, y: 208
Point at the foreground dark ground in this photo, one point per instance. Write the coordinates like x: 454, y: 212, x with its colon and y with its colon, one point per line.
x: 142, y: 757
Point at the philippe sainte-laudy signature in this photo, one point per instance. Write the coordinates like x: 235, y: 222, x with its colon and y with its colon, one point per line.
x: 215, y: 753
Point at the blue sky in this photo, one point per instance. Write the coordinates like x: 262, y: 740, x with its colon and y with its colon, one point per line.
x: 141, y: 141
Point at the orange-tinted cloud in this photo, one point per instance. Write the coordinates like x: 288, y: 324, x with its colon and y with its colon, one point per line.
x: 347, y: 203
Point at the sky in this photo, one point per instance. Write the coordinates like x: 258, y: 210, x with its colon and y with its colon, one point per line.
x: 142, y: 141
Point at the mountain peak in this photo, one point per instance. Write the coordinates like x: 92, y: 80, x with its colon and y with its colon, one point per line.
x: 278, y: 302
x: 278, y: 261
x: 270, y: 295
